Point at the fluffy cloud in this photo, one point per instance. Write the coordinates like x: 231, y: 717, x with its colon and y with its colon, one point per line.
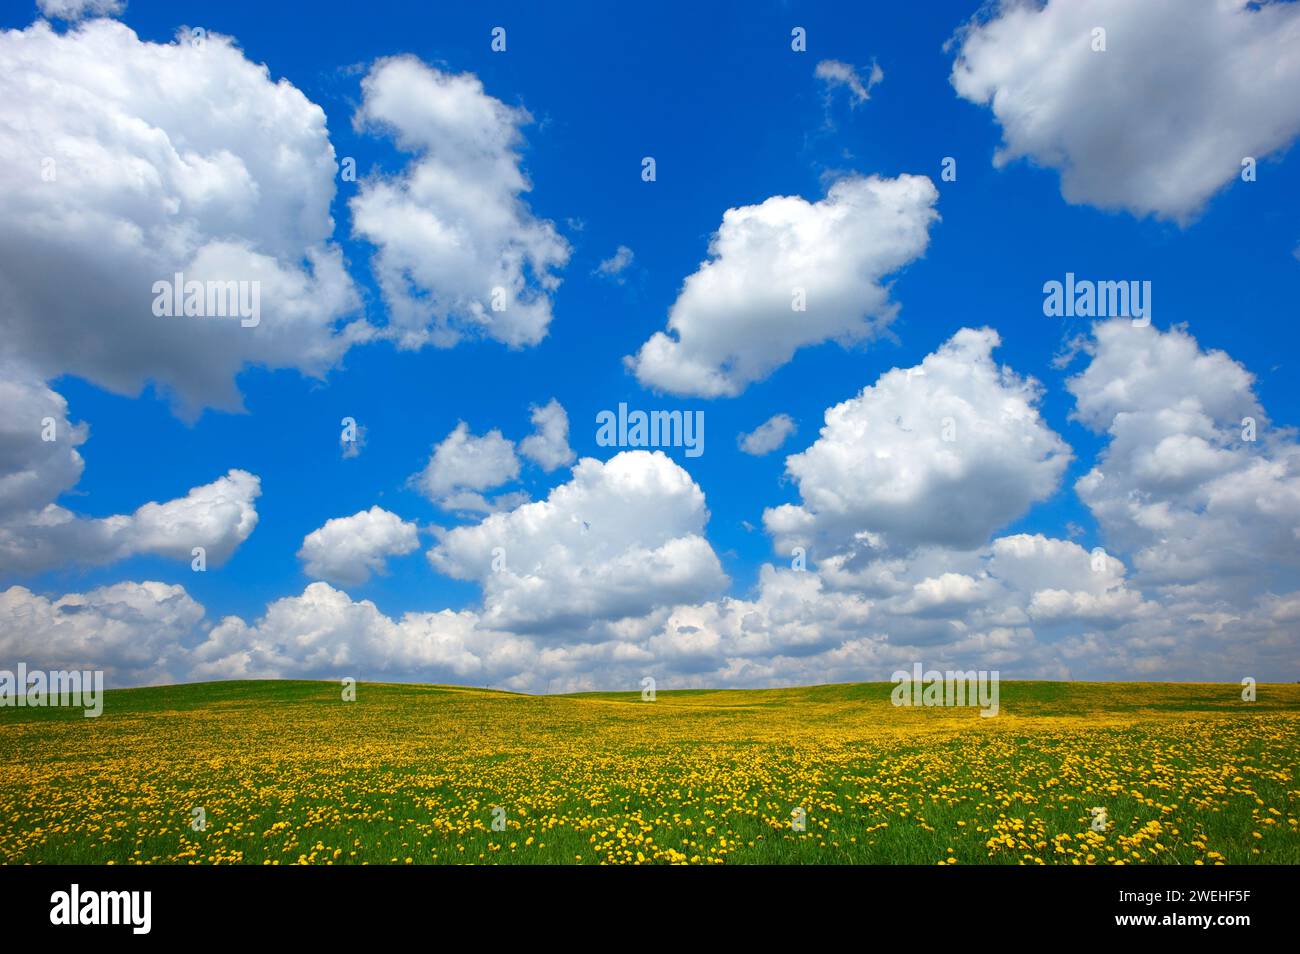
x: 1029, y: 605
x: 1004, y: 605
x: 1180, y: 485
x: 133, y: 631
x: 324, y: 633
x: 463, y: 465
x: 768, y: 436
x: 38, y: 444
x: 128, y: 162
x: 346, y: 550
x: 1158, y: 122
x: 452, y: 227
x: 611, y: 578
x: 618, y: 540
x: 944, y: 453
x: 39, y: 461
x: 734, y: 321
x: 548, y: 445
x: 791, y: 615
x: 217, y: 517
x: 1057, y: 581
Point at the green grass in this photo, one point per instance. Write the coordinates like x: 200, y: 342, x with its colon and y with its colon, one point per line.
x: 288, y: 772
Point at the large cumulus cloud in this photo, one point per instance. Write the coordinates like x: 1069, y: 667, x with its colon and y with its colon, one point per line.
x: 943, y: 453
x: 124, y: 162
x: 619, y: 539
x: 1159, y: 121
x: 459, y: 253
x: 1194, y: 481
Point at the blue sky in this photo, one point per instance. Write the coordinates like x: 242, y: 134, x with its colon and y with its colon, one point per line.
x: 732, y: 117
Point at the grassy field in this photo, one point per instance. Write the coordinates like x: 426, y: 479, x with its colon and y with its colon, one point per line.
x: 288, y: 773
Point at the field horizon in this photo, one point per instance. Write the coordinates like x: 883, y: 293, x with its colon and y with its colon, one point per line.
x: 286, y: 771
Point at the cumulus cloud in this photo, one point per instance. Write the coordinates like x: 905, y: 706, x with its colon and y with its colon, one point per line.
x: 38, y: 444
x: 463, y: 465
x: 548, y: 445
x: 611, y: 578
x: 618, y: 540
x: 129, y: 162
x: 217, y: 517
x: 736, y: 319
x: 40, y: 460
x: 795, y: 628
x: 1027, y: 604
x: 1157, y: 123
x: 993, y: 607
x: 346, y: 550
x: 791, y: 615
x: 768, y: 436
x: 133, y: 631
x: 944, y: 453
x: 836, y: 74
x: 324, y: 633
x: 451, y: 230
x: 1181, y: 485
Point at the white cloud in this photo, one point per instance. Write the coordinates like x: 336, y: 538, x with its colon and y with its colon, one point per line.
x: 464, y: 462
x: 163, y: 162
x: 768, y: 436
x: 323, y: 633
x: 836, y: 73
x: 614, y: 266
x: 133, y: 631
x: 791, y: 614
x: 1028, y: 605
x: 452, y: 227
x: 884, y: 475
x: 734, y: 321
x: 1157, y: 123
x: 127, y: 162
x: 36, y: 533
x: 612, y: 578
x: 988, y: 608
x: 33, y: 470
x: 1057, y: 581
x: 1178, y: 485
x: 618, y: 540
x: 548, y: 445
x: 217, y: 517
x: 76, y: 9
x: 346, y: 550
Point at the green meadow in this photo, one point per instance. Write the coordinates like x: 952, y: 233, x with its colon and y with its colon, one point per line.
x: 287, y: 772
